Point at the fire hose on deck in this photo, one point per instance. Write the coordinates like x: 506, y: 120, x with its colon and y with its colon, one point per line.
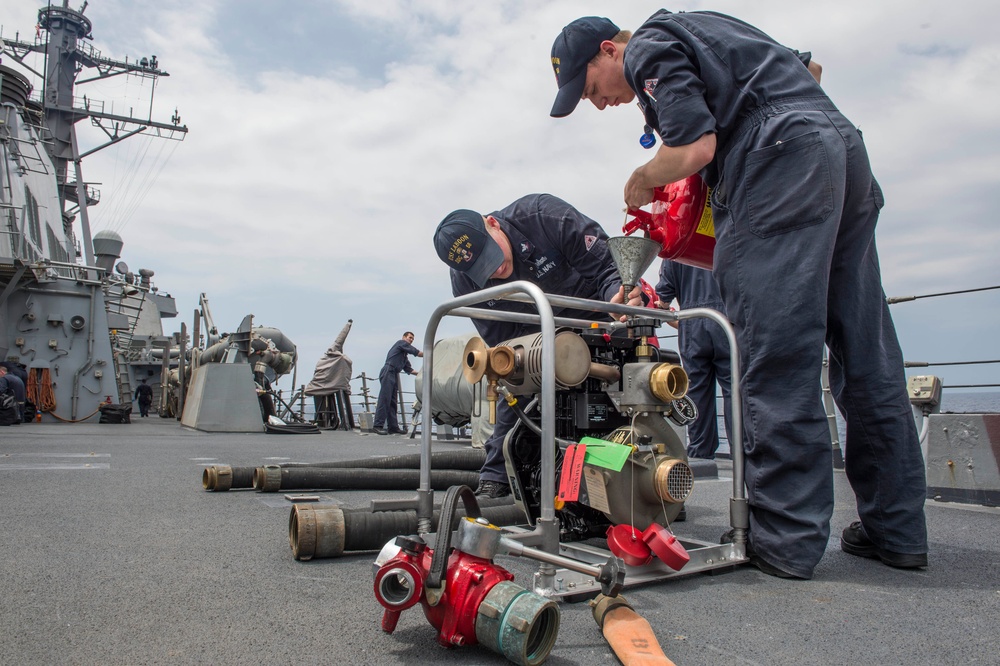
x: 629, y: 634
x: 321, y: 531
x: 220, y: 478
x: 271, y: 479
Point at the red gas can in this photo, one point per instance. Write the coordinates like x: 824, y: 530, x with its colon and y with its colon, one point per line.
x: 680, y: 220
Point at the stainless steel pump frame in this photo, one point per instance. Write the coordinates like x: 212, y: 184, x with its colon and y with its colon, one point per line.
x: 562, y: 583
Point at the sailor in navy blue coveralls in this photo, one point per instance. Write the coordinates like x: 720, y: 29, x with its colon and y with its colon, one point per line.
x: 388, y: 377
x: 795, y: 206
x: 704, y: 351
x: 561, y: 250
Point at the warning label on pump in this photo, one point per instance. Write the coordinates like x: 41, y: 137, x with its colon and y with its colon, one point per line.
x: 597, y: 494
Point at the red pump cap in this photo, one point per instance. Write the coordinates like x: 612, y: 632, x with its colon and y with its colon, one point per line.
x: 666, y: 546
x: 626, y: 542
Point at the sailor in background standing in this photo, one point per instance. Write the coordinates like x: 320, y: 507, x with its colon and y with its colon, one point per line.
x: 704, y: 351
x: 386, y: 422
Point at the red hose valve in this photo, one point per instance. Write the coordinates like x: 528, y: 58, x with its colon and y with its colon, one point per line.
x: 399, y: 584
x: 478, y: 603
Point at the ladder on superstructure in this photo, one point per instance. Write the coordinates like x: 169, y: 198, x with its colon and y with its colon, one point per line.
x: 130, y: 306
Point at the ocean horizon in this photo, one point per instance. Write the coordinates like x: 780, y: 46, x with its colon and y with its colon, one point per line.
x: 953, y: 401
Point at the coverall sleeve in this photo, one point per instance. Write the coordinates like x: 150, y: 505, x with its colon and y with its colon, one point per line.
x: 584, y: 245
x: 804, y: 56
x: 664, y: 72
x: 493, y: 332
x: 666, y: 290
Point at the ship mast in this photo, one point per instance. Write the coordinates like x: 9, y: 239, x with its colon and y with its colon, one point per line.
x: 67, y: 56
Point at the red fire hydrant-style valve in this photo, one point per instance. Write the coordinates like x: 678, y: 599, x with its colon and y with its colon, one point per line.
x: 400, y: 583
x: 467, y: 597
x: 469, y: 581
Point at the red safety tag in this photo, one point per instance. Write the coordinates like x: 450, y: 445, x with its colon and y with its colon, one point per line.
x: 572, y: 472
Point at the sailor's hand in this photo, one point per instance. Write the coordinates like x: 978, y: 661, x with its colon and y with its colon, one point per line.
x: 666, y: 306
x: 637, y: 192
x: 634, y: 298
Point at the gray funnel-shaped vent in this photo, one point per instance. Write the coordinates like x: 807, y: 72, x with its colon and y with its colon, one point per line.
x: 632, y: 255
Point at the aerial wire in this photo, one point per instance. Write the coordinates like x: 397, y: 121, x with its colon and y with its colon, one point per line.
x: 900, y: 299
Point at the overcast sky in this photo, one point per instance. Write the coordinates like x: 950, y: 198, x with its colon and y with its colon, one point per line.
x: 329, y: 137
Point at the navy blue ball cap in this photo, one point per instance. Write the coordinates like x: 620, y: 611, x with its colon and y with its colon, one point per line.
x: 572, y: 51
x: 462, y: 242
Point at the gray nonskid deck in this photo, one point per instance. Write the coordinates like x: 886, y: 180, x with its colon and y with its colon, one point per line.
x: 113, y: 554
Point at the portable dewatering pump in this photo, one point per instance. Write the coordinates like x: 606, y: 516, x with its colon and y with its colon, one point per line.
x: 597, y: 450
x: 619, y: 460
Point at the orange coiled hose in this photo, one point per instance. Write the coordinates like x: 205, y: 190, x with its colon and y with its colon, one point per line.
x: 40, y: 392
x: 39, y: 389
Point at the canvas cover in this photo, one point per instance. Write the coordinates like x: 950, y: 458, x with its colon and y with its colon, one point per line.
x: 333, y: 372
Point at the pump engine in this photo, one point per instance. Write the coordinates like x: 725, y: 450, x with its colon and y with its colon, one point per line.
x: 616, y: 387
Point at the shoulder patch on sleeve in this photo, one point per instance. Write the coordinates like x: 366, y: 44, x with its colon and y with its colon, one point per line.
x: 589, y: 241
x: 649, y: 86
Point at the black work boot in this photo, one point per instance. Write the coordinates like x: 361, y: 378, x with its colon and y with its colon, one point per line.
x: 492, y: 489
x: 855, y: 541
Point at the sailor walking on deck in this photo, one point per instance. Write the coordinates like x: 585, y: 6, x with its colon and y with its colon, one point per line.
x: 144, y: 396
x: 11, y: 386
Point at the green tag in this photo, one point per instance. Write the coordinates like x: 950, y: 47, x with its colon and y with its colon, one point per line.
x: 602, y: 453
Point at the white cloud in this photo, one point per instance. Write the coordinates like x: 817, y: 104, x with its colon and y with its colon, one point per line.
x: 309, y: 197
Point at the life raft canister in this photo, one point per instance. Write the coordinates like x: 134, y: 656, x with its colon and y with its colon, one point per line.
x: 680, y: 220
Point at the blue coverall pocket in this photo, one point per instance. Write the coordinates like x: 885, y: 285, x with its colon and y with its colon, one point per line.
x: 788, y: 186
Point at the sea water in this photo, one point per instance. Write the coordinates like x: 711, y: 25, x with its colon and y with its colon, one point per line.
x: 973, y: 402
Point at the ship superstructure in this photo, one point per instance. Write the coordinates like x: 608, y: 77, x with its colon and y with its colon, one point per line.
x: 84, y: 326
